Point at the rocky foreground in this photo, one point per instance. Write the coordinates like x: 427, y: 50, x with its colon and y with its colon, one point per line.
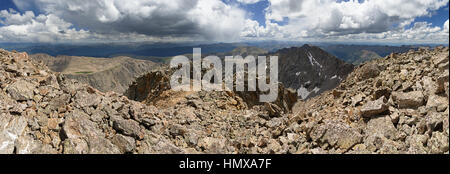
x: 398, y: 104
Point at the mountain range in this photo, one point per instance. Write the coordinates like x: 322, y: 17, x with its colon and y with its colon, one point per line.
x: 105, y: 74
x: 159, y: 52
x: 394, y: 104
x: 225, y: 77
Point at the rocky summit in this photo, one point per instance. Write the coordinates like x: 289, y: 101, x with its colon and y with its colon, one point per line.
x: 397, y: 104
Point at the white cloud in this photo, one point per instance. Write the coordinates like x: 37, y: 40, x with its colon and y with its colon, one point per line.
x: 15, y: 18
x: 330, y: 17
x: 42, y: 28
x: 325, y: 19
x: 198, y: 19
x: 214, y: 20
x: 446, y: 26
x: 248, y: 1
x: 421, y: 32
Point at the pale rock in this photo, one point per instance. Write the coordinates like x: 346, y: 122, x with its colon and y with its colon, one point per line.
x: 381, y: 126
x: 85, y: 99
x: 78, y: 125
x: 438, y: 143
x: 430, y: 86
x: 101, y: 145
x: 212, y: 145
x: 357, y: 99
x: 442, y: 80
x: 21, y: 90
x: 75, y: 146
x: 409, y: 99
x: 417, y: 144
x: 437, y: 103
x: 11, y: 128
x: 156, y: 144
x: 337, y: 133
x: 27, y: 145
x: 446, y: 123
x: 432, y: 121
x: 374, y: 108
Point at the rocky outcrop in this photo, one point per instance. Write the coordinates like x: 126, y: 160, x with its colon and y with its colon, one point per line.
x: 154, y: 87
x: 54, y: 114
x: 45, y: 112
x: 394, y: 103
x: 148, y: 87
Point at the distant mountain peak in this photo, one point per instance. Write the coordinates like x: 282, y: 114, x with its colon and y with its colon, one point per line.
x: 306, y: 46
x: 310, y: 70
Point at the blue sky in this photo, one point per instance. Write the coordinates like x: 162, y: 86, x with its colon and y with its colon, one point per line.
x: 438, y: 18
x: 311, y: 20
x: 257, y: 11
x: 5, y: 4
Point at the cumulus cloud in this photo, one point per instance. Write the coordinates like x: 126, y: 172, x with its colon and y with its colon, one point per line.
x: 215, y: 20
x: 202, y: 19
x: 370, y: 19
x: 329, y: 17
x: 248, y: 1
x: 41, y: 28
x: 446, y: 26
x: 420, y: 32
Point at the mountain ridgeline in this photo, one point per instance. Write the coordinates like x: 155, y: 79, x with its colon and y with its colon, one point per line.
x: 358, y: 54
x: 105, y: 74
x: 396, y: 104
x: 310, y: 70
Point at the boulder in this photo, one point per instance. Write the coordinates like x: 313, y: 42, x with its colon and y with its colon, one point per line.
x: 127, y: 127
x: 11, y: 128
x: 368, y: 71
x: 381, y: 126
x: 27, y: 145
x: 21, y: 90
x: 374, y: 108
x: 125, y: 144
x: 85, y: 99
x: 75, y: 146
x: 437, y: 103
x: 336, y: 134
x: 405, y: 100
x: 438, y: 143
x: 417, y: 144
x: 212, y: 145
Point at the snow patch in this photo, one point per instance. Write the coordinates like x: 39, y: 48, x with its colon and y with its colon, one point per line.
x: 334, y: 77
x: 316, y: 90
x: 303, y: 93
x: 313, y: 61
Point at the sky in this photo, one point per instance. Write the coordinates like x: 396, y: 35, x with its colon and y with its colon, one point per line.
x: 377, y: 21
